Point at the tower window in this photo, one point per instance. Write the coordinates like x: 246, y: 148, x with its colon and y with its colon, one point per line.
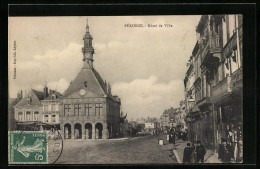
x: 85, y: 84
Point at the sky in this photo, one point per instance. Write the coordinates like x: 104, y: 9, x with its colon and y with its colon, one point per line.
x: 144, y: 65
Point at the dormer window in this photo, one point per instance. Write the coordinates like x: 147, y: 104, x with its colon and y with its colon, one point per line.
x: 53, y: 97
x: 29, y: 100
x: 85, y: 84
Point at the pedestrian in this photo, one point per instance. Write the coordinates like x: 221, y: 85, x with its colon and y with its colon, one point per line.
x: 200, y: 152
x: 187, y: 154
x: 193, y: 153
x: 173, y: 138
x: 225, y: 153
x: 221, y: 149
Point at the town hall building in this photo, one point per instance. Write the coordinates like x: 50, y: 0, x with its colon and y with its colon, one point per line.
x: 88, y: 110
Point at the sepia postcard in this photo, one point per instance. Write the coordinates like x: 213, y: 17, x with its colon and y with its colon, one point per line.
x: 155, y: 89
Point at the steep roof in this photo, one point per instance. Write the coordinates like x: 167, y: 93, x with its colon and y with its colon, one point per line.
x: 12, y: 102
x: 93, y: 79
x: 36, y: 97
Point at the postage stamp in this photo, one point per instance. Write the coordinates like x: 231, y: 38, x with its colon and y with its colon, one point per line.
x: 28, y: 147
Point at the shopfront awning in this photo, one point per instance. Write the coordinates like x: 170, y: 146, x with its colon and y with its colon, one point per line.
x: 195, y: 109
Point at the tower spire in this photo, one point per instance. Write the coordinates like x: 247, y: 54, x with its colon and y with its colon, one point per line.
x: 88, y: 49
x: 87, y: 27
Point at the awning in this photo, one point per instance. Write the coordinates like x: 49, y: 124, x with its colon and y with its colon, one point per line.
x: 36, y: 123
x: 195, y: 109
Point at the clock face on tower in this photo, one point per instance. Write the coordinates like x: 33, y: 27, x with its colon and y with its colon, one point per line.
x: 82, y: 92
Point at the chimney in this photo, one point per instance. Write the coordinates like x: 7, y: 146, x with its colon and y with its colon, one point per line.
x: 21, y: 93
x: 45, y: 91
x: 18, y: 95
x: 109, y: 89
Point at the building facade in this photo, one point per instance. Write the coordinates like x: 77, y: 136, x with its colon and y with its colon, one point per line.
x: 217, y: 66
x: 180, y: 116
x: 167, y: 119
x: 12, y: 122
x: 88, y: 108
x: 28, y: 111
x: 51, y: 109
x: 227, y: 88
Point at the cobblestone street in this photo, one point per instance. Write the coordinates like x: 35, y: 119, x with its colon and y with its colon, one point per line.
x: 138, y: 150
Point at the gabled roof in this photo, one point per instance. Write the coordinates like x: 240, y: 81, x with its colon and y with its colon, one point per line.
x: 36, y: 97
x: 13, y: 101
x: 93, y: 79
x: 100, y: 80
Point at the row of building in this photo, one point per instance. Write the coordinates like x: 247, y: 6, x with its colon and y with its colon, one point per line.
x: 146, y: 125
x: 86, y: 110
x: 174, y: 118
x: 214, y: 83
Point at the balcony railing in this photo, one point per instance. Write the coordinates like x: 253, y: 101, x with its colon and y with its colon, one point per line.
x: 232, y: 42
x: 228, y: 85
x: 237, y: 79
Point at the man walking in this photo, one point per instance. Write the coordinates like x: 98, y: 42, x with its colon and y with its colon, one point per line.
x: 200, y: 152
x: 187, y: 154
x: 225, y: 152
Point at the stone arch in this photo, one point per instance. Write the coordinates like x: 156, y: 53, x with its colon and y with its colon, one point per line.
x: 77, y: 131
x: 88, y: 131
x: 99, y: 130
x: 67, y: 131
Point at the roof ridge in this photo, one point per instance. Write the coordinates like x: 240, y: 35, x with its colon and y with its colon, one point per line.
x: 84, y: 74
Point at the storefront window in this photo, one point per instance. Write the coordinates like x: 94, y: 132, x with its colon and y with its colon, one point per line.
x: 20, y: 116
x: 36, y: 116
x: 46, y: 118
x: 28, y: 115
x: 53, y: 118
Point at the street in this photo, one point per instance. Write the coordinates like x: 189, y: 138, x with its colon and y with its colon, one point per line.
x: 137, y: 150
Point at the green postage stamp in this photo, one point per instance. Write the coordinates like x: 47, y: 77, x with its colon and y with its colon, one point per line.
x: 28, y: 147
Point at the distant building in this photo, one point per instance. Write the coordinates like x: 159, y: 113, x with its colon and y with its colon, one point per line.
x: 167, y: 119
x: 149, y: 125
x: 12, y: 124
x: 180, y: 116
x: 28, y: 111
x: 124, y: 126
x: 88, y: 108
x: 51, y: 109
x: 152, y: 126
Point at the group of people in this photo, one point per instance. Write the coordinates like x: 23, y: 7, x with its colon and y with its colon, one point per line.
x: 225, y: 152
x: 194, y: 153
x: 183, y: 135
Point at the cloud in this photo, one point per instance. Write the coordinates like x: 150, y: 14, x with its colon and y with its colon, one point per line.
x: 145, y: 66
x: 148, y: 97
x: 60, y: 85
x: 56, y: 67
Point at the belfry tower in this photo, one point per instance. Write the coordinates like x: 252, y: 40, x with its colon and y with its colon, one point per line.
x: 88, y: 108
x: 88, y: 50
